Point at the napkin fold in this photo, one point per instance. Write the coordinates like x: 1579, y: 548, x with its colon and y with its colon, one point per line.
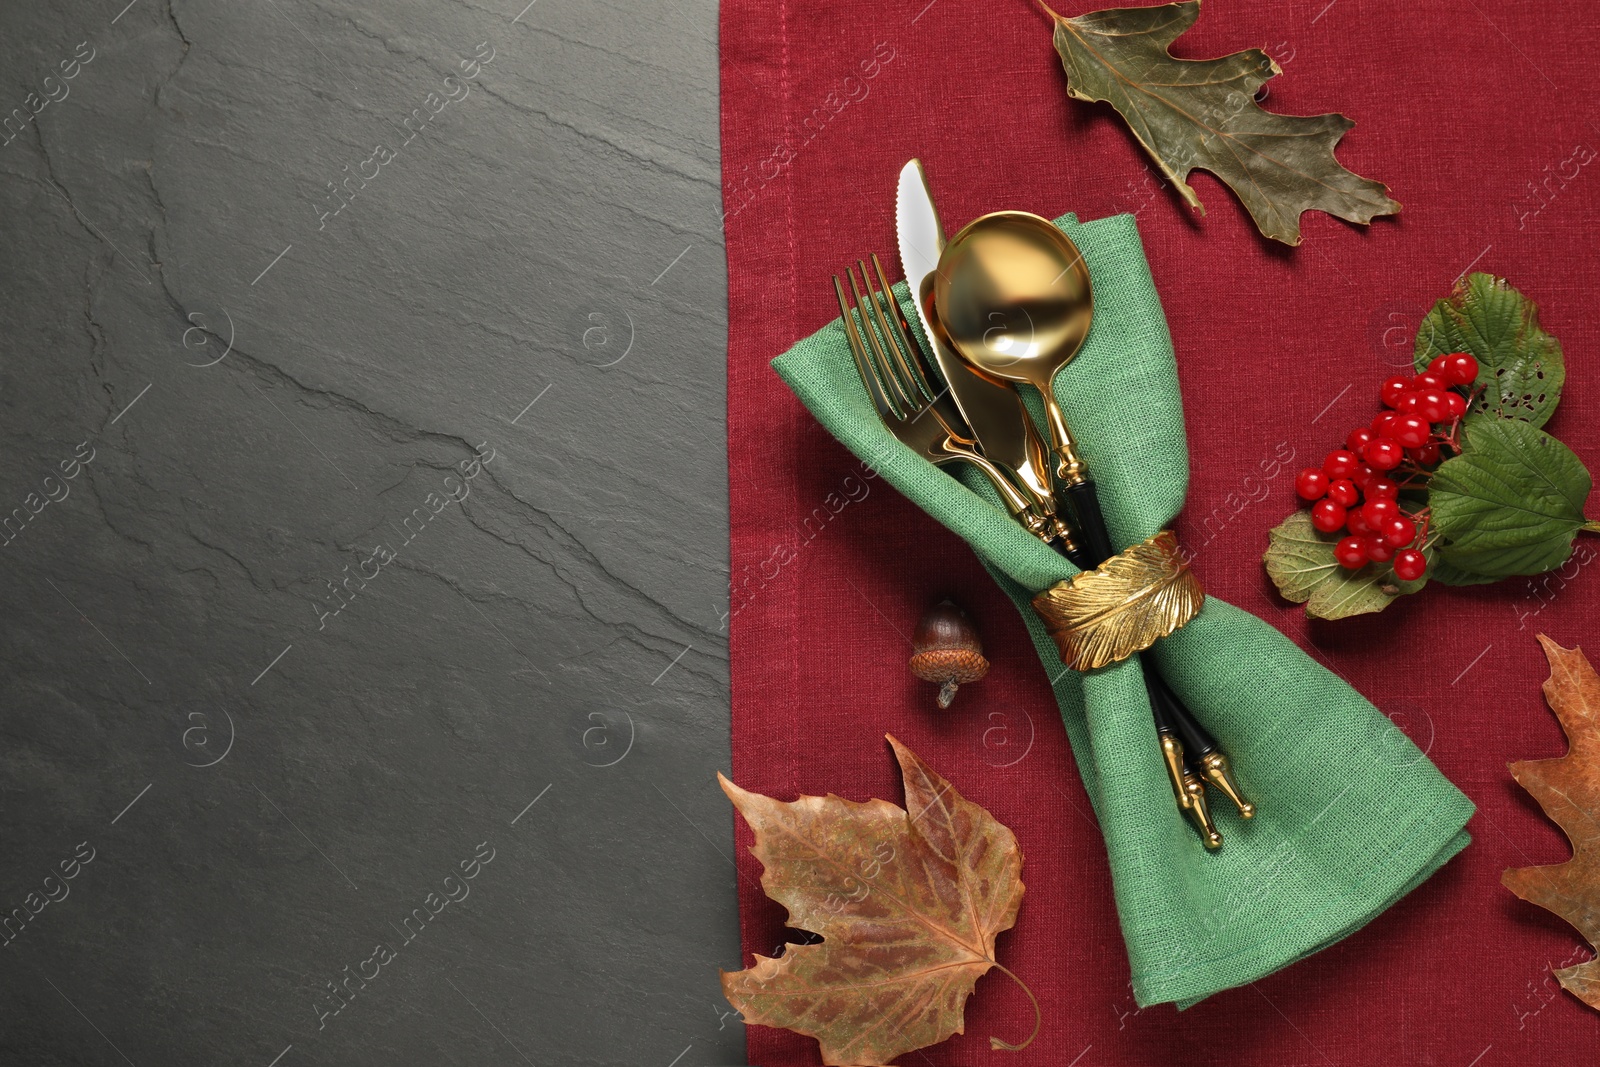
x: 1351, y: 815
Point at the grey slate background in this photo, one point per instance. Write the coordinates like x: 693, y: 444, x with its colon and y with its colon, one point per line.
x: 269, y: 789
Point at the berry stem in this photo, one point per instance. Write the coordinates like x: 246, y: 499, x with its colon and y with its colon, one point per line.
x: 1413, y: 475
x: 1453, y: 437
x: 1423, y: 540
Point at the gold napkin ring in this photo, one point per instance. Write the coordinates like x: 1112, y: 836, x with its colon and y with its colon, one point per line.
x: 1123, y: 606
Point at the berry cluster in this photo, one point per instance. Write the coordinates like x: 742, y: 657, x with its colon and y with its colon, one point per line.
x: 1357, y: 490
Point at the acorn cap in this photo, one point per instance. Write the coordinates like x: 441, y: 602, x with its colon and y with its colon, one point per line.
x: 946, y: 650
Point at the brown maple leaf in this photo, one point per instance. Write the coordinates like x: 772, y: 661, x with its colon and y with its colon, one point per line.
x: 908, y: 903
x: 1568, y: 789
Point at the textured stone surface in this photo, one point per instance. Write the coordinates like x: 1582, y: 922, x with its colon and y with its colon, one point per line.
x: 259, y: 664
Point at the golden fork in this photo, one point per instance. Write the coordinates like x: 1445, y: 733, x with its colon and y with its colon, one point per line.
x: 921, y: 417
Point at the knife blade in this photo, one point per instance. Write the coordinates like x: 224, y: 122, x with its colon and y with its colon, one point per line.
x: 998, y: 418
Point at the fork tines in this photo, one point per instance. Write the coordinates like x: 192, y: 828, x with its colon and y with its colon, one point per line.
x: 888, y: 360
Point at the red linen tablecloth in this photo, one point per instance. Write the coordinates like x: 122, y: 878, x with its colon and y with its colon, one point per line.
x: 1481, y: 117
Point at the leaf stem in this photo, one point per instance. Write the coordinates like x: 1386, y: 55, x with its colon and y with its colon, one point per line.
x: 1591, y: 526
x: 1058, y: 18
x: 1038, y: 1015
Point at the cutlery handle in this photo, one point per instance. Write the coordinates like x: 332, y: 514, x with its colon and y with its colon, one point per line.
x: 1196, y: 741
x: 1200, y: 748
x: 1188, y: 790
x: 1022, y: 508
x: 1092, y: 535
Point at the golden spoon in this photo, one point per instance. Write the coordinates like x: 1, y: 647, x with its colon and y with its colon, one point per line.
x: 1013, y: 294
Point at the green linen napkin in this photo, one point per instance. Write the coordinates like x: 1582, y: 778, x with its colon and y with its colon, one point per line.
x: 1352, y: 815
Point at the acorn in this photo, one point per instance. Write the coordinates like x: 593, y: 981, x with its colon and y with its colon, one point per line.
x: 946, y: 650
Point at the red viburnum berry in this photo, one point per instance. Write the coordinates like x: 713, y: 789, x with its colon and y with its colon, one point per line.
x: 1351, y: 553
x: 1381, y: 489
x: 1393, y: 389
x: 1344, y: 493
x: 1426, y: 456
x: 1384, y: 454
x: 1411, y: 431
x: 1408, y: 565
x: 1400, y: 532
x: 1327, y: 516
x: 1433, y: 406
x: 1311, y: 484
x: 1340, y: 464
x: 1458, y: 368
x: 1379, y: 512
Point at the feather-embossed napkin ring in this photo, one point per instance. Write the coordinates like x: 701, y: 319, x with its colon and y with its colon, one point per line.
x: 1123, y: 606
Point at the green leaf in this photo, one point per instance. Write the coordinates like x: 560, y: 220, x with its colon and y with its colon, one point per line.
x: 1191, y: 114
x: 1444, y: 572
x: 1300, y: 561
x: 1519, y: 365
x: 1534, y: 557
x: 1511, y: 502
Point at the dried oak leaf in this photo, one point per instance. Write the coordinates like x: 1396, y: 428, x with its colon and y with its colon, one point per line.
x: 1203, y: 114
x: 1568, y: 789
x: 908, y: 903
